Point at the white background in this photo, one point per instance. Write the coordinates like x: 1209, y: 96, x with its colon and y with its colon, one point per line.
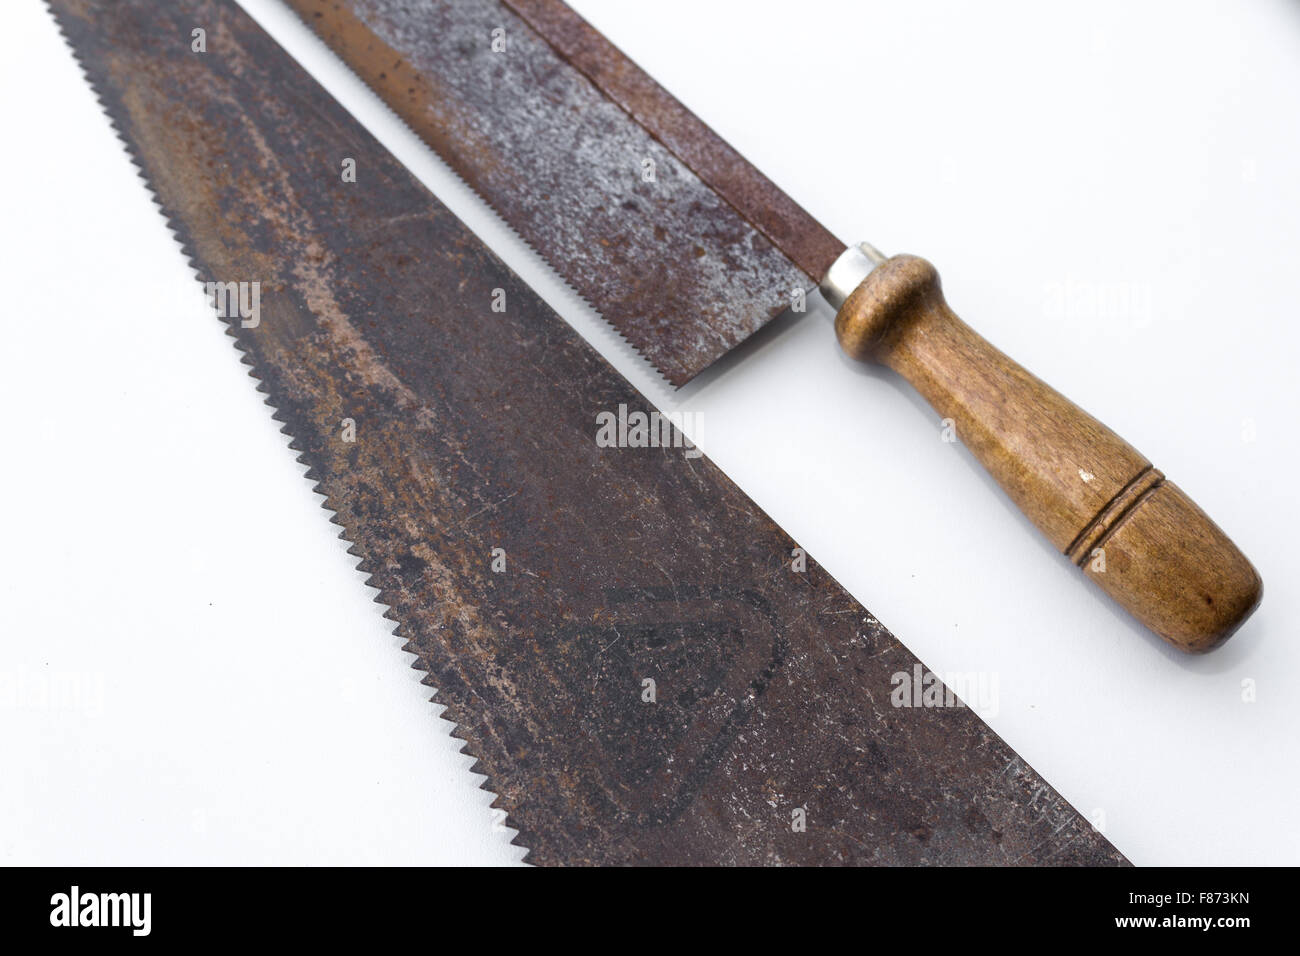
x: 191, y: 670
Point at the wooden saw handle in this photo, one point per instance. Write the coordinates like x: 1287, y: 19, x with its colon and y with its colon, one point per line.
x: 1095, y: 497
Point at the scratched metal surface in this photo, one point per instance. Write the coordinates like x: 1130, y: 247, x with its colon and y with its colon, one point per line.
x: 684, y: 267
x: 475, y: 431
x: 791, y: 229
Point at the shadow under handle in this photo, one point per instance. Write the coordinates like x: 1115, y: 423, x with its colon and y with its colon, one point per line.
x: 1096, y: 497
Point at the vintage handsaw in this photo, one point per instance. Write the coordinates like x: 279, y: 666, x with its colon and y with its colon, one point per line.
x: 617, y: 633
x: 686, y: 249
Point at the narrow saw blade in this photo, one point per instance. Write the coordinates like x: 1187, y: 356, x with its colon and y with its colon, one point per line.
x: 679, y: 242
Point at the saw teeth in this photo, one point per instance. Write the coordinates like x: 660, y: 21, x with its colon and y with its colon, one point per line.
x: 178, y: 232
x: 621, y: 341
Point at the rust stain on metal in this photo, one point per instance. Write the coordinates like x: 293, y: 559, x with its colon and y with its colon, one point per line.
x: 677, y: 241
x: 474, y: 431
x: 791, y: 229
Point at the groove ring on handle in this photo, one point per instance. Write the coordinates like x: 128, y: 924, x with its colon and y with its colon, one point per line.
x: 1114, y: 514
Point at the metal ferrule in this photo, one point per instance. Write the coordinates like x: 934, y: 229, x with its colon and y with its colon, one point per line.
x: 847, y: 272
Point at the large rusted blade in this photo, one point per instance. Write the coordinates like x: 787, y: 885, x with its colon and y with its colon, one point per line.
x: 438, y: 441
x: 678, y: 241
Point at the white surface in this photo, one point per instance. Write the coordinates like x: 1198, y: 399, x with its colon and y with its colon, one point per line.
x: 1109, y: 190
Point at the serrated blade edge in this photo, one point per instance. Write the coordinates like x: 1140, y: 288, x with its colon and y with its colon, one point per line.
x: 655, y: 221
x: 71, y: 27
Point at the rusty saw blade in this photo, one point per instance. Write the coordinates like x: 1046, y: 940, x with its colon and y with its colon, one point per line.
x: 673, y: 236
x: 617, y: 633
